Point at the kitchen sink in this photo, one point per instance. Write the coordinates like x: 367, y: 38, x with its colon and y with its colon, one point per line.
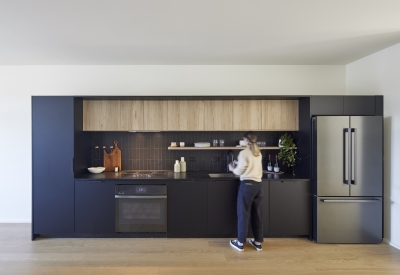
x: 223, y: 175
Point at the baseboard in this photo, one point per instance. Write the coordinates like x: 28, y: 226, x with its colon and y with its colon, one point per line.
x: 391, y: 244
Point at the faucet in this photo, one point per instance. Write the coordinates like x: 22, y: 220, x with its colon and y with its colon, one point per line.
x: 229, y: 159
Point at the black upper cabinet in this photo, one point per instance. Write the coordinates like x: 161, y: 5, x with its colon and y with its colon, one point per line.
x: 94, y: 207
x: 222, y: 214
x: 52, y: 165
x: 187, y: 208
x: 359, y: 106
x: 346, y: 105
x: 326, y: 105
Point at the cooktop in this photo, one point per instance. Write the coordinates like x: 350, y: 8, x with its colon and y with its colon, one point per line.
x: 145, y: 174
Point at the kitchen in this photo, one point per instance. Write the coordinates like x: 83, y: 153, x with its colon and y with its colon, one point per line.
x: 178, y: 81
x: 192, y: 191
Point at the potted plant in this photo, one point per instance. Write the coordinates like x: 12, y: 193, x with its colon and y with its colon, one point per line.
x: 288, y: 151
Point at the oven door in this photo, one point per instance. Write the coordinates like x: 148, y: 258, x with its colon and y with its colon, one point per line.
x: 141, y: 213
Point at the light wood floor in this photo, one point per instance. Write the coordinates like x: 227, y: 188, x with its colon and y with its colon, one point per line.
x: 20, y: 255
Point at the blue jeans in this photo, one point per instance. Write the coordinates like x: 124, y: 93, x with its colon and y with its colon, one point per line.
x: 249, y: 208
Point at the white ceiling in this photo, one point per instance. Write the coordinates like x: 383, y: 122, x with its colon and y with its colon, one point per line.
x: 195, y: 32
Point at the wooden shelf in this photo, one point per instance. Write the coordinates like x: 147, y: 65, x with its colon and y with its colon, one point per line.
x: 222, y: 148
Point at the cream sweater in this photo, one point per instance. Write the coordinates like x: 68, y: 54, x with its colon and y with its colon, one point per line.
x: 249, y: 167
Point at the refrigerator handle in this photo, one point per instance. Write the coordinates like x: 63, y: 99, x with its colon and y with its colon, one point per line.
x: 336, y: 201
x: 353, y: 155
x: 345, y: 154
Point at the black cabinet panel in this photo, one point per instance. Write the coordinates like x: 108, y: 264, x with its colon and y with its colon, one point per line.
x: 266, y: 208
x: 290, y: 208
x: 222, y: 214
x: 187, y: 207
x: 326, y: 105
x: 379, y: 105
x: 346, y: 105
x: 359, y: 106
x: 52, y: 165
x: 94, y: 207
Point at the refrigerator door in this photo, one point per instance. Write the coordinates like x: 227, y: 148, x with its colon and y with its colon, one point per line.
x: 331, y: 163
x: 348, y: 220
x: 367, y: 162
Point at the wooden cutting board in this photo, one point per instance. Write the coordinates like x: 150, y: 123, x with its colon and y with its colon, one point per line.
x: 112, y: 159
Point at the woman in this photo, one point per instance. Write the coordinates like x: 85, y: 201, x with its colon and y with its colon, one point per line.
x: 250, y: 193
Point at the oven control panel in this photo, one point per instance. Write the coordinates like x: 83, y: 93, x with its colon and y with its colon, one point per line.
x: 133, y: 189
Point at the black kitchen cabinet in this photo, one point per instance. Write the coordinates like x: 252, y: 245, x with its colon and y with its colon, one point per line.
x: 222, y: 214
x: 346, y: 105
x: 290, y: 208
x: 326, y: 105
x: 52, y: 165
x: 187, y: 208
x: 94, y: 207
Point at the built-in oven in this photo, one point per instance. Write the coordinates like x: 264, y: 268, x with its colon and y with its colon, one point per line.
x: 141, y: 208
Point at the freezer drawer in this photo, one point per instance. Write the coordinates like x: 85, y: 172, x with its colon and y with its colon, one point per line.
x: 347, y: 219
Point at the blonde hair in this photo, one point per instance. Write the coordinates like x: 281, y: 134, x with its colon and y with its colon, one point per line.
x: 252, y: 138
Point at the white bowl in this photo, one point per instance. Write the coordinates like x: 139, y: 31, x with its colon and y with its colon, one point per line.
x: 96, y: 170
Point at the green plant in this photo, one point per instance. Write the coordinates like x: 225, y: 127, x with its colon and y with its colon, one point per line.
x: 288, y: 151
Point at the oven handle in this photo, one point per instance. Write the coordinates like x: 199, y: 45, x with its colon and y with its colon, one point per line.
x: 140, y: 197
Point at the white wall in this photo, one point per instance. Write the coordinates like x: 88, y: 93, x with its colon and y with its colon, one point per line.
x: 378, y: 74
x: 19, y: 83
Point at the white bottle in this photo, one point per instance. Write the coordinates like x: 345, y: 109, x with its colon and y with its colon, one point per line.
x: 177, y: 167
x: 183, y: 164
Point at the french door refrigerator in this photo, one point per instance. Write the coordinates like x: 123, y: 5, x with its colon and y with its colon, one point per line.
x: 347, y: 172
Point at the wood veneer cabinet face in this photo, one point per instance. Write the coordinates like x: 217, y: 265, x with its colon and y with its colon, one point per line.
x: 101, y: 115
x: 155, y: 115
x: 190, y: 115
x: 246, y: 115
x: 218, y: 115
x: 280, y: 115
x: 132, y: 115
x: 185, y: 115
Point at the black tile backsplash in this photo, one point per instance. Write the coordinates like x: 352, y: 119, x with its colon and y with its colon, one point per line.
x: 149, y: 151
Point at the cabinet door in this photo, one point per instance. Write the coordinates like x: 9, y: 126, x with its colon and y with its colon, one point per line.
x: 132, y: 115
x: 94, y: 207
x: 187, y: 208
x: 246, y: 115
x: 186, y: 115
x: 218, y: 115
x: 290, y: 208
x: 359, y: 106
x: 155, y: 115
x: 52, y: 165
x: 101, y: 115
x: 326, y: 105
x: 222, y: 214
x: 280, y: 115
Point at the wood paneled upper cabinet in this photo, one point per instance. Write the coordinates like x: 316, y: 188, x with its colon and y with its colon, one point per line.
x: 218, y: 115
x: 186, y: 115
x: 101, y: 115
x: 280, y: 115
x: 246, y: 115
x: 132, y: 115
x: 190, y: 115
x: 155, y: 115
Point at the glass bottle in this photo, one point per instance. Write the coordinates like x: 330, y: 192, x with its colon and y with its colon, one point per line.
x: 269, y: 165
x: 276, y: 166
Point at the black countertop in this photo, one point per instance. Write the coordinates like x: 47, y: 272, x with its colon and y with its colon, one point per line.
x: 190, y: 175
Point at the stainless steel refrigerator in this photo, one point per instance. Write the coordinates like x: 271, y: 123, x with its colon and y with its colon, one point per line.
x: 347, y: 175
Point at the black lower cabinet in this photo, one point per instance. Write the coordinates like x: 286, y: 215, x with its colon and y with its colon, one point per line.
x: 187, y: 208
x: 222, y: 215
x: 94, y: 207
x: 290, y: 208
